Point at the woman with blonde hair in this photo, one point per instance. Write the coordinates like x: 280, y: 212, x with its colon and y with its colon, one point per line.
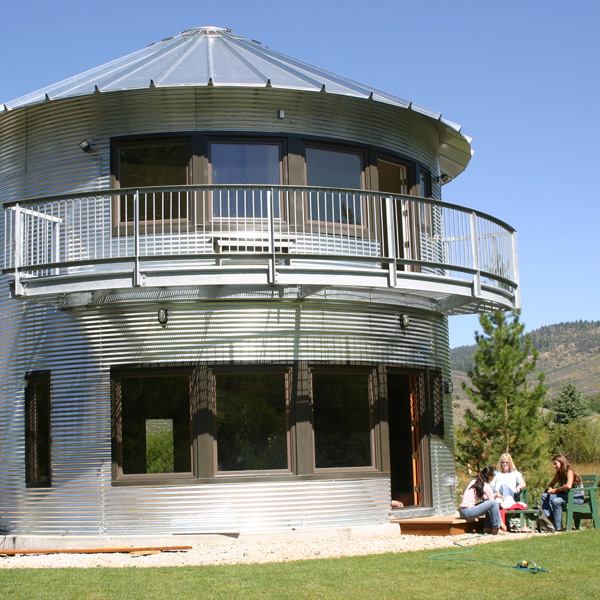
x: 508, y: 482
x: 555, y: 497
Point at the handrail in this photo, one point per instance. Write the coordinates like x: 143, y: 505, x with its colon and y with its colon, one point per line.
x: 208, y: 187
x: 53, y: 235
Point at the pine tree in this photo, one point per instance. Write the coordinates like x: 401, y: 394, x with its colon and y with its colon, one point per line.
x: 507, y: 413
x: 569, y: 405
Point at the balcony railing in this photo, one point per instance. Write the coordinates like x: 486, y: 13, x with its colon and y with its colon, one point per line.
x: 193, y: 234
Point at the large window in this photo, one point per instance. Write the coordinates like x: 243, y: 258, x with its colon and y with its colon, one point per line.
x: 216, y: 422
x: 331, y: 168
x: 37, y: 429
x: 150, y: 163
x: 244, y: 163
x: 251, y: 421
x: 342, y: 427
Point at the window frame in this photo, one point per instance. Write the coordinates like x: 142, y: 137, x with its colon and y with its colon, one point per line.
x: 116, y: 377
x: 126, y: 227
x: 33, y: 479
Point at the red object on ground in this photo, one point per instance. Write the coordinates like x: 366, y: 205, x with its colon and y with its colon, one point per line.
x: 515, y: 506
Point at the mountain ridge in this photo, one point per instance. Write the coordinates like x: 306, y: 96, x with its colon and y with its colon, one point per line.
x: 568, y: 352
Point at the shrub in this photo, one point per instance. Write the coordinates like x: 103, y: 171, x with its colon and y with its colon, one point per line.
x: 594, y: 403
x: 579, y: 440
x: 569, y: 405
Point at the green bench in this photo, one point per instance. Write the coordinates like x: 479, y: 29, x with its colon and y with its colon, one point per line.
x: 589, y: 508
x: 524, y: 515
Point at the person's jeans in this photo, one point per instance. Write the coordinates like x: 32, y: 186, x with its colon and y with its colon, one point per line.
x: 552, y: 505
x: 489, y: 508
x: 506, y: 490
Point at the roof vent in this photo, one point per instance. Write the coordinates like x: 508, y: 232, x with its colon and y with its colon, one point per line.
x: 206, y: 30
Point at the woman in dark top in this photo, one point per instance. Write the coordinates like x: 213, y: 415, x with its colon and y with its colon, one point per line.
x: 555, y: 497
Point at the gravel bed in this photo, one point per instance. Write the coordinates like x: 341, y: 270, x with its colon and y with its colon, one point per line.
x: 264, y: 548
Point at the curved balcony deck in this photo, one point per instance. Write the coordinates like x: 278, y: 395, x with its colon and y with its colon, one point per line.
x: 458, y: 259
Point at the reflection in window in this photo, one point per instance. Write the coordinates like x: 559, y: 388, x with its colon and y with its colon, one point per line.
x: 341, y: 420
x: 251, y: 421
x: 153, y: 164
x: 37, y: 430
x: 240, y: 164
x: 156, y: 424
x: 334, y: 169
x: 159, y: 446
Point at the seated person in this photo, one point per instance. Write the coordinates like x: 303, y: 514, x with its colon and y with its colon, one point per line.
x: 479, y: 499
x: 508, y: 482
x: 556, y: 495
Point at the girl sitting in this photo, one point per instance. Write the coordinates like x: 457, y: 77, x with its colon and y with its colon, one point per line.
x: 479, y: 499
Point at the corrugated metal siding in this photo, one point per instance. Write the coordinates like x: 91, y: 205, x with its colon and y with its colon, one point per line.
x: 40, y: 155
x: 80, y: 345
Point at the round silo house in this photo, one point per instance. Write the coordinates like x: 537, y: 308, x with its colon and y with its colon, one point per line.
x: 226, y: 284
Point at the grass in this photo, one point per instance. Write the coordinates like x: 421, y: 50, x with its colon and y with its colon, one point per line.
x: 573, y: 560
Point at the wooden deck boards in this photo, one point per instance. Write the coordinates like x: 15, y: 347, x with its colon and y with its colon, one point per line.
x: 437, y: 525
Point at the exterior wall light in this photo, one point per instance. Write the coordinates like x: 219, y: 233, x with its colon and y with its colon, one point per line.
x: 86, y: 146
x: 281, y: 113
x: 444, y: 178
x: 447, y: 387
x: 163, y: 316
x: 404, y: 321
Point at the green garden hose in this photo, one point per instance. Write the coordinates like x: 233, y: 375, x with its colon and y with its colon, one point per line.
x: 523, y: 566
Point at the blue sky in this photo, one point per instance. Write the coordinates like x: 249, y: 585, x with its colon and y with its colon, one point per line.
x: 523, y: 78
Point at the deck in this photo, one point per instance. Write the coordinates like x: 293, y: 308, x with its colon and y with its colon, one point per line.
x: 455, y: 259
x: 438, y: 525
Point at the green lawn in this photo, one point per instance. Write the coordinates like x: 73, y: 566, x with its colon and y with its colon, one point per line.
x: 573, y: 561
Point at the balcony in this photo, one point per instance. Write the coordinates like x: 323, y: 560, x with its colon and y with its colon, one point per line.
x: 457, y: 259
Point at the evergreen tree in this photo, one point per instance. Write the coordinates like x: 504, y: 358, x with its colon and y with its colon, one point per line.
x: 569, y: 405
x: 507, y: 413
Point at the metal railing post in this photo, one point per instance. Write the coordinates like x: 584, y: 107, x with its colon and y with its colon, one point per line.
x: 390, y: 239
x: 475, y: 253
x: 56, y: 253
x: 272, y: 275
x: 18, y: 257
x: 515, y: 269
x: 136, y: 238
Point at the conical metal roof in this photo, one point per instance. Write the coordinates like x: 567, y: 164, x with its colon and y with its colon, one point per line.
x: 215, y: 56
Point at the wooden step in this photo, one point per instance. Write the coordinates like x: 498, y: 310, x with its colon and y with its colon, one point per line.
x: 438, y: 525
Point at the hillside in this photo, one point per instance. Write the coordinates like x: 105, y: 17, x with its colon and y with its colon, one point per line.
x: 567, y: 352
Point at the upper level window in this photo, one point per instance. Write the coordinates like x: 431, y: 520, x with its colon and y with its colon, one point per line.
x: 148, y: 163
x: 244, y: 163
x: 425, y: 210
x: 37, y: 429
x: 423, y: 183
x: 331, y: 168
x: 393, y: 176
